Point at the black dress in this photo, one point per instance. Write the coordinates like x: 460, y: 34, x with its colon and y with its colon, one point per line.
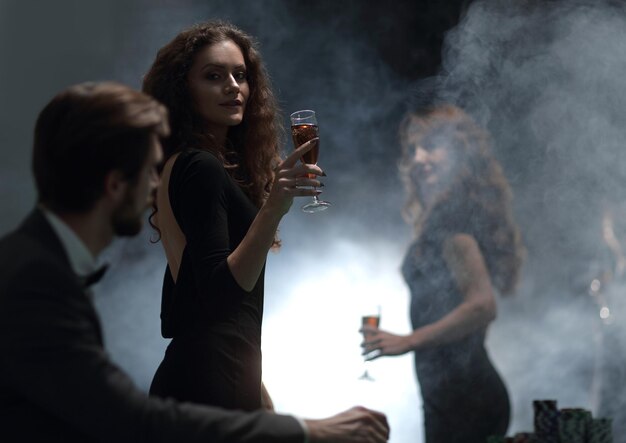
x: 214, y: 357
x: 464, y: 398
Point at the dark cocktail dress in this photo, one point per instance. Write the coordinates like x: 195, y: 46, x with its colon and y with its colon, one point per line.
x: 214, y: 356
x: 464, y: 398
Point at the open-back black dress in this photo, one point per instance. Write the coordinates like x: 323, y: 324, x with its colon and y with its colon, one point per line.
x: 214, y: 356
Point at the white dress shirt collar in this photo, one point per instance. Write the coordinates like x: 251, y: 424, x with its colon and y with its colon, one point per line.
x: 81, y: 259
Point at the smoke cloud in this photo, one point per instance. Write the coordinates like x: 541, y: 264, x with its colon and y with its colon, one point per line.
x: 546, y: 79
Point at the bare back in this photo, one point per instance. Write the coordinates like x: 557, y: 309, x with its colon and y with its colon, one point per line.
x: 172, y: 236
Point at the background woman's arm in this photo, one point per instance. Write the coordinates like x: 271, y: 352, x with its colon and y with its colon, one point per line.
x: 478, y: 309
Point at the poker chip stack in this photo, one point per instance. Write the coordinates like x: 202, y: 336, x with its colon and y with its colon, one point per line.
x: 574, y: 425
x: 568, y: 425
x: 546, y: 421
x: 600, y: 431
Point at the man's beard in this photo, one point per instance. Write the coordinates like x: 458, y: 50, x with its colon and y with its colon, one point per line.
x: 126, y: 220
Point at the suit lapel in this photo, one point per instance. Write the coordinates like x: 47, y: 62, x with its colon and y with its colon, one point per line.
x: 37, y: 227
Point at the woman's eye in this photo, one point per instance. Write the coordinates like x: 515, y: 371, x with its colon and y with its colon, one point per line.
x: 212, y: 76
x: 241, y: 76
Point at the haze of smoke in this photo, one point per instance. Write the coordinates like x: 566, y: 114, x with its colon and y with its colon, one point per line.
x: 546, y: 78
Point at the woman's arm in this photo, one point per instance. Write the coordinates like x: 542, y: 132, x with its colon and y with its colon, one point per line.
x: 202, y: 211
x: 248, y: 259
x: 478, y: 309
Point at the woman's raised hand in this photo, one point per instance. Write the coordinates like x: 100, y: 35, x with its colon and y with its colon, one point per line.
x: 294, y: 179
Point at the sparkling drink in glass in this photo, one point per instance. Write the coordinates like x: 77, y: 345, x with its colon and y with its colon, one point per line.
x: 304, y: 128
x: 373, y: 320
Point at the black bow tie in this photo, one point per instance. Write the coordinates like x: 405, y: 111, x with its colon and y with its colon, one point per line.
x: 94, y: 277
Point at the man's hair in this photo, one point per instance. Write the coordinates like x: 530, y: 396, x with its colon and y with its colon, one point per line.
x: 87, y: 131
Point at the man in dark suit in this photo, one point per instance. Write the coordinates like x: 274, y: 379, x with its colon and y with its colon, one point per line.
x: 95, y: 159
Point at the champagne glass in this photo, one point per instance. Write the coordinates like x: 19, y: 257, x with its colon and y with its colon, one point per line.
x: 304, y: 128
x: 369, y: 318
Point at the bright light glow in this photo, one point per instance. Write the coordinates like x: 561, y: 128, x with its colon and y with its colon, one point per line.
x: 605, y: 313
x: 595, y: 285
x: 311, y: 352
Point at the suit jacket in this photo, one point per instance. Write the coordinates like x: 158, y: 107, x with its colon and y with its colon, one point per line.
x: 57, y: 383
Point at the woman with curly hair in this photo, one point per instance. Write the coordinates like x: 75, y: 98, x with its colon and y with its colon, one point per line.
x: 467, y: 247
x: 223, y: 192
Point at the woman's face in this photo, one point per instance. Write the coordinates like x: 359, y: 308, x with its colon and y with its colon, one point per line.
x: 218, y: 85
x: 431, y: 170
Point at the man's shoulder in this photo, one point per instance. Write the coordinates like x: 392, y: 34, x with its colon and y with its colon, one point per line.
x: 21, y: 246
x: 27, y: 260
x: 40, y: 292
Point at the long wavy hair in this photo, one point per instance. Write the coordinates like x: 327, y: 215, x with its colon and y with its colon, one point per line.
x: 251, y: 151
x: 478, y: 199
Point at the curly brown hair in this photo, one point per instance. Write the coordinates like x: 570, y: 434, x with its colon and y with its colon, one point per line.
x: 252, y: 147
x: 479, y: 199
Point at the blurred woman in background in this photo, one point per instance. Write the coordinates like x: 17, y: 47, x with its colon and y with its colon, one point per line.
x: 467, y: 247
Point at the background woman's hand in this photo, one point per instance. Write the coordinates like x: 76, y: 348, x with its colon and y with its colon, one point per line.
x: 384, y: 342
x: 291, y: 176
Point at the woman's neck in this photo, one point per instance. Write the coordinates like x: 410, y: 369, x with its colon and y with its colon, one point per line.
x: 218, y: 133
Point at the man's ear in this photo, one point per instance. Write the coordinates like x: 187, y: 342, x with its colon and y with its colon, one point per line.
x: 115, y: 186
